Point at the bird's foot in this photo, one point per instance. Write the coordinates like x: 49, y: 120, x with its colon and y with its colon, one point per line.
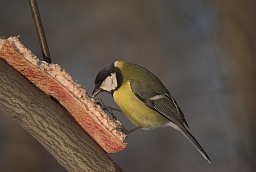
x: 122, y: 129
x: 109, y: 110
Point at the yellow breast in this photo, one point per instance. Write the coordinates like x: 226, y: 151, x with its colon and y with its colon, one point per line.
x: 135, y: 110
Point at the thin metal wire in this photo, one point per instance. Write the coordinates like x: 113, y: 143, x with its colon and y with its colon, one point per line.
x: 40, y: 31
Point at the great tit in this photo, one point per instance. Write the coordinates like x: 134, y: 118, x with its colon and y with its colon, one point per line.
x: 143, y: 98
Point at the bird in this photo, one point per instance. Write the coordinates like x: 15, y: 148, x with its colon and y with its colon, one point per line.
x: 143, y: 99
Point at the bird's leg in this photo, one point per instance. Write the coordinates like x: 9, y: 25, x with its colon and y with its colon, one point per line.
x: 100, y: 102
x: 107, y: 109
x: 132, y: 130
x: 125, y: 131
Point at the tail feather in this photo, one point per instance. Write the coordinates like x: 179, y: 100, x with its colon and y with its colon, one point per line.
x: 191, y: 138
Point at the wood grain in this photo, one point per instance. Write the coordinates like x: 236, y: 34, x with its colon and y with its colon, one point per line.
x: 49, y: 123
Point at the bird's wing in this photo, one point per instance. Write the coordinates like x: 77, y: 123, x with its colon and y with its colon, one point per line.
x: 161, y: 101
x: 165, y: 104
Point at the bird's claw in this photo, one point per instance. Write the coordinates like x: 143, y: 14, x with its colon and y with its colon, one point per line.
x: 109, y: 110
x: 122, y: 129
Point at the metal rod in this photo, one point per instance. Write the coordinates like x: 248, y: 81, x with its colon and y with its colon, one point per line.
x: 40, y: 31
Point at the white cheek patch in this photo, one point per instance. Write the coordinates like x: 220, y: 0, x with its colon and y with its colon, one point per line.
x: 110, y: 83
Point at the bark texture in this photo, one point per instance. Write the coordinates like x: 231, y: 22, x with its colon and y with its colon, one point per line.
x: 55, y: 81
x: 50, y: 124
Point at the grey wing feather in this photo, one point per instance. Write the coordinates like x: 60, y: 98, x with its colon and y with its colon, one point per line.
x: 170, y: 110
x: 165, y: 104
x: 178, y: 109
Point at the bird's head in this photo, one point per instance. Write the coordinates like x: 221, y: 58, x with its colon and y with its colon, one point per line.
x: 108, y: 79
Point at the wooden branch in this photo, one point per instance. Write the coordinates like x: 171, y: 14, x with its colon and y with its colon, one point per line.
x: 53, y: 80
x: 49, y: 123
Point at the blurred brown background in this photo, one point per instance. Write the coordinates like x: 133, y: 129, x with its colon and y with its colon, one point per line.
x: 204, y: 51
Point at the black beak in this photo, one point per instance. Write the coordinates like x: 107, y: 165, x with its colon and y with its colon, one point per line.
x: 96, y: 91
